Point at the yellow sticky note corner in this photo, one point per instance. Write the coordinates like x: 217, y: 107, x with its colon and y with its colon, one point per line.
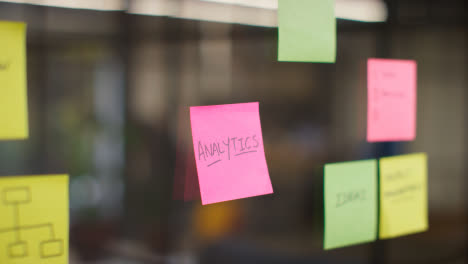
x: 13, y: 92
x: 34, y: 222
x: 403, y: 195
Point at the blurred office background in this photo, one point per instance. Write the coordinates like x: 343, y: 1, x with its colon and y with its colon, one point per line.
x: 110, y: 83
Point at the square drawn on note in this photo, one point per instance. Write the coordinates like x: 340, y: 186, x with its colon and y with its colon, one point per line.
x: 403, y: 195
x: 34, y: 223
x: 391, y: 97
x: 350, y: 195
x: 229, y: 153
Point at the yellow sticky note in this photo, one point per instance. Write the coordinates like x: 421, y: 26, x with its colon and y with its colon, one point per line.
x: 34, y: 219
x: 403, y: 195
x: 13, y: 98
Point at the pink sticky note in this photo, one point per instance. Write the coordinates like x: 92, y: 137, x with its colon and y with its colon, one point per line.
x: 228, y: 146
x: 391, y: 108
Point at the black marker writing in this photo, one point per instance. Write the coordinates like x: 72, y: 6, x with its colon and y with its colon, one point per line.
x: 256, y: 141
x: 229, y: 149
x: 214, y: 152
x: 219, y: 149
x: 246, y: 140
x: 245, y: 152
x: 213, y: 163
x: 402, y: 191
x: 207, y: 151
x: 398, y: 175
x: 234, y: 141
x: 242, y: 147
x: 200, y: 153
x: 215, y: 148
x: 210, y: 150
x: 388, y: 75
x: 397, y: 94
x: 343, y: 198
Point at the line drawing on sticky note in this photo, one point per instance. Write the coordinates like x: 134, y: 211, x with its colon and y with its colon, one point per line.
x: 213, y: 163
x: 50, y: 247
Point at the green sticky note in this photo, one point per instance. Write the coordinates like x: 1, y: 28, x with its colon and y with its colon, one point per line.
x: 403, y: 195
x: 307, y: 30
x: 350, y: 194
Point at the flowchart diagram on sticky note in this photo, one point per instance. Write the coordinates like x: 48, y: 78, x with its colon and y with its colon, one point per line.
x: 403, y: 195
x: 350, y: 195
x: 13, y: 98
x: 306, y: 31
x: 229, y: 153
x: 391, y: 108
x: 34, y: 219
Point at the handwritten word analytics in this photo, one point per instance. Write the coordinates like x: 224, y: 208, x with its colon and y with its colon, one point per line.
x: 226, y: 149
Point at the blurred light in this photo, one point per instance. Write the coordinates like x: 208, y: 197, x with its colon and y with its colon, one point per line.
x: 266, y: 4
x: 251, y: 12
x: 361, y: 10
x: 248, y: 12
x: 107, y: 5
x: 206, y: 11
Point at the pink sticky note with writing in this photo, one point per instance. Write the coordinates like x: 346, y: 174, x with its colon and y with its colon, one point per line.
x: 228, y: 147
x: 391, y: 107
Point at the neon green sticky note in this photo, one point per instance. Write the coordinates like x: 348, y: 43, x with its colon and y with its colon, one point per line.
x: 13, y: 100
x: 403, y: 195
x: 34, y: 219
x: 350, y: 195
x: 307, y: 30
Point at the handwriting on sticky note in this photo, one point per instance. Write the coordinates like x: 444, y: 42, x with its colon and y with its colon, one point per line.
x: 350, y: 195
x: 34, y: 222
x: 403, y: 193
x: 403, y: 190
x: 307, y: 31
x: 13, y: 98
x: 229, y: 153
x: 225, y: 149
x: 391, y: 100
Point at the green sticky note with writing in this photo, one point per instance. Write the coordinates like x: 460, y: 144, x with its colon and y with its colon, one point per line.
x: 350, y: 195
x: 307, y: 31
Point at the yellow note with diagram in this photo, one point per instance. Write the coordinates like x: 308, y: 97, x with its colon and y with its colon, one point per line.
x: 13, y: 91
x: 403, y: 195
x: 34, y: 219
